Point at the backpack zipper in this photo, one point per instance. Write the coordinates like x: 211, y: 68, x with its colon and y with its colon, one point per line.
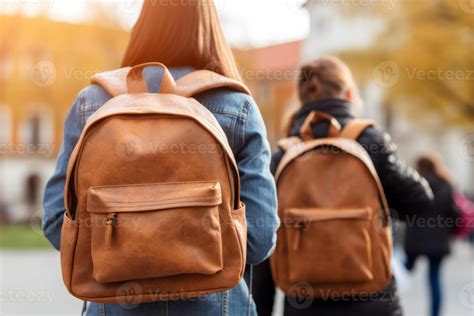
x: 300, y: 226
x: 109, y: 224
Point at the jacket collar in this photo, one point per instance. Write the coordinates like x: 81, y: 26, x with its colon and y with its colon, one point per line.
x: 338, y: 108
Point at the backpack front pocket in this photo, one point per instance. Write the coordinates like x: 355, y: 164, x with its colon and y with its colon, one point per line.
x: 155, y: 230
x: 329, y: 245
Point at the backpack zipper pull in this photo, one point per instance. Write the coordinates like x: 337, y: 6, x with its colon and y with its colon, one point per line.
x: 300, y: 226
x: 109, y: 224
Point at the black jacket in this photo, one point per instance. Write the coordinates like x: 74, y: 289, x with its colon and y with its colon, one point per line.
x: 429, y: 234
x: 406, y: 192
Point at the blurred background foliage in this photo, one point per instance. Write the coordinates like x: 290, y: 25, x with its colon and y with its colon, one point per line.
x: 431, y: 45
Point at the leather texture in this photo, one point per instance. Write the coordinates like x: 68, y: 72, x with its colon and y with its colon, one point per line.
x: 152, y: 198
x: 335, y: 236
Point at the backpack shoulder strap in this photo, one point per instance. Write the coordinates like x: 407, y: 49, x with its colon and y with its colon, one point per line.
x: 203, y: 80
x: 354, y: 128
x: 114, y: 82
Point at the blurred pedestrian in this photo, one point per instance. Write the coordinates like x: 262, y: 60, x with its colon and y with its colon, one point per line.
x: 466, y: 209
x: 326, y: 85
x: 429, y: 234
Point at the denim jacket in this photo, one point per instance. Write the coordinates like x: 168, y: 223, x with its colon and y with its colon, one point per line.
x: 241, y: 120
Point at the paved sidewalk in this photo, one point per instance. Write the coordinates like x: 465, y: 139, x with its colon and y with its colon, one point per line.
x: 31, y: 285
x: 458, y: 279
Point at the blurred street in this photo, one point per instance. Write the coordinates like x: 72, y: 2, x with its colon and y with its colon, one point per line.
x: 458, y: 277
x: 33, y: 285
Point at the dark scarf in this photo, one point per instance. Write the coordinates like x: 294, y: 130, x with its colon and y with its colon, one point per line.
x: 338, y: 108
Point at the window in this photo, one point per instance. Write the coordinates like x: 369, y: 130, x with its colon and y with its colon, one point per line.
x: 37, y: 129
x: 5, y: 124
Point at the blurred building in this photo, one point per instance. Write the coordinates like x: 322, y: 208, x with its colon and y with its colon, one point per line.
x: 43, y: 65
x: 270, y: 73
x: 335, y: 31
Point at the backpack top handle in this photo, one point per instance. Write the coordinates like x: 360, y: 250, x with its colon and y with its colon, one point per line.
x: 314, y: 117
x: 137, y: 84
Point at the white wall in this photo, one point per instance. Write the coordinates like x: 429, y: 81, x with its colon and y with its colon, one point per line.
x: 333, y: 31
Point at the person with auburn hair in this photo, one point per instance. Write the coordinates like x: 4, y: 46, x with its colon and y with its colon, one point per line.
x: 186, y: 36
x: 326, y: 85
x: 431, y: 235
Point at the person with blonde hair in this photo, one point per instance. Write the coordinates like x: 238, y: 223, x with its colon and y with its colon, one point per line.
x: 326, y: 85
x: 185, y: 36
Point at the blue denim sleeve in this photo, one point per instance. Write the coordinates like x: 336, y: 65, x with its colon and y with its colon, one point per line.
x: 53, y: 202
x: 258, y: 190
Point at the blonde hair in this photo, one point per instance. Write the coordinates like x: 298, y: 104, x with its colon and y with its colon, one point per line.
x: 325, y: 77
x: 183, y: 33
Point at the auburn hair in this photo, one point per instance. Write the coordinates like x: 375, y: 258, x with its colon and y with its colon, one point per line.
x: 432, y: 164
x: 178, y: 34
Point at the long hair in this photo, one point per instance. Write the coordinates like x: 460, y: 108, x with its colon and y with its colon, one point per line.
x: 181, y: 33
x: 432, y: 164
x: 323, y: 78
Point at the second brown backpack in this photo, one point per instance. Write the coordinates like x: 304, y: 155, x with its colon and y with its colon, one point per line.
x: 335, y: 237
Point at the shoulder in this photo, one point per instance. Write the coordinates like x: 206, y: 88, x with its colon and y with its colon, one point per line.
x: 375, y: 136
x: 92, y: 97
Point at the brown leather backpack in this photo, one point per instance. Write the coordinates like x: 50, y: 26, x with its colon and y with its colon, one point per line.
x: 335, y: 239
x: 152, y: 197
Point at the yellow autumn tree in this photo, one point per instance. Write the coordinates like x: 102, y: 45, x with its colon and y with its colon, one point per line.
x: 425, y: 55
